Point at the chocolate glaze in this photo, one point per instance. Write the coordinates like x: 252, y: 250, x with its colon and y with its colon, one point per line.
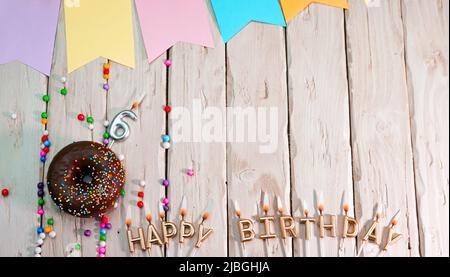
x: 85, y: 179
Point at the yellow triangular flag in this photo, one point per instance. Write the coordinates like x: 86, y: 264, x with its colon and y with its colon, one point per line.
x: 97, y: 28
x: 292, y: 7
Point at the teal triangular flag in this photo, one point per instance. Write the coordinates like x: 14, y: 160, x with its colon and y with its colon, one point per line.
x: 233, y: 15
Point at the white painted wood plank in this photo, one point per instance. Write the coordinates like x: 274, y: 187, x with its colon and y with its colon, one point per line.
x: 382, y: 154
x: 21, y: 91
x: 144, y: 157
x: 197, y: 79
x: 319, y: 116
x: 256, y: 78
x: 85, y: 95
x: 426, y: 39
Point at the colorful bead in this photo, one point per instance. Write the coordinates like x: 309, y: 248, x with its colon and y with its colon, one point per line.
x: 108, y: 226
x: 46, y: 98
x: 166, y: 183
x: 102, y: 250
x: 77, y: 247
x: 40, y: 185
x: 102, y: 225
x: 40, y: 212
x: 50, y: 221
x: 40, y: 230
x: 122, y: 193
x: 52, y: 234
x: 105, y: 141
x: 105, y: 86
x: 40, y: 193
x: 166, y: 145
x: 106, y: 66
x: 45, y: 132
x: 44, y: 138
x: 168, y: 63
x: 43, y: 159
x: 103, y: 231
x: 190, y: 172
x: 48, y: 230
x: 41, y: 202
x: 44, y: 115
x: 166, y: 138
x: 104, y: 219
x: 166, y: 201
x: 106, y: 71
x: 106, y: 135
x: 47, y: 143
x: 5, y: 192
x: 140, y: 204
x: 106, y: 76
x: 103, y: 237
x: 102, y: 244
x: 166, y: 208
x: 167, y: 109
x: 44, y: 121
x: 90, y: 119
x: 87, y: 233
x: 63, y: 91
x: 81, y: 117
x: 141, y: 194
x: 43, y: 153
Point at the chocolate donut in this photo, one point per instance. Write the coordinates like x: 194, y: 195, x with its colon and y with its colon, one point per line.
x: 85, y: 179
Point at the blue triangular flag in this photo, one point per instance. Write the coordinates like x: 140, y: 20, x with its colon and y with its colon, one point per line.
x: 233, y: 15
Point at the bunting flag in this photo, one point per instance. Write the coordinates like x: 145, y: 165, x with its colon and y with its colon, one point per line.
x: 188, y: 22
x: 233, y: 15
x: 293, y: 7
x: 27, y: 32
x: 99, y: 28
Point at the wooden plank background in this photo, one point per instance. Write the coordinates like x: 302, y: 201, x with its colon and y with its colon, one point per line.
x: 362, y: 101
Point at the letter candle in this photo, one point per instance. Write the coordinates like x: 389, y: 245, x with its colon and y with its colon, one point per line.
x: 393, y: 237
x: 203, y: 232
x: 372, y: 232
x: 186, y: 228
x: 287, y: 224
x: 134, y: 239
x: 320, y: 208
x: 307, y: 221
x: 237, y: 212
x: 148, y: 217
x: 266, y: 220
x: 350, y: 226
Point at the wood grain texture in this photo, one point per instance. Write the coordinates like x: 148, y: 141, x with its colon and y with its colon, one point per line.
x: 381, y: 124
x: 250, y: 171
x: 382, y: 154
x: 426, y: 43
x: 21, y: 91
x: 319, y: 122
x: 197, y: 84
x: 144, y: 157
x: 85, y: 95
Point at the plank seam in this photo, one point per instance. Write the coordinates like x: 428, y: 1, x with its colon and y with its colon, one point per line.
x: 412, y: 146
x: 350, y: 118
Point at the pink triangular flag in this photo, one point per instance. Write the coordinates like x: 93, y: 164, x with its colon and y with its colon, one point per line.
x: 164, y: 23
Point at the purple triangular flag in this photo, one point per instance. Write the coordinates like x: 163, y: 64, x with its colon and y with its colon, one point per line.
x: 27, y: 32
